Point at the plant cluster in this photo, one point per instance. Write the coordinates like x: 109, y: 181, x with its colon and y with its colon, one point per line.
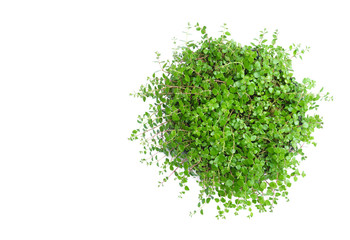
x: 232, y: 117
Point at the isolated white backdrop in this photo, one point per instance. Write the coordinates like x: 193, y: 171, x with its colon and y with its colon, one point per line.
x: 67, y: 170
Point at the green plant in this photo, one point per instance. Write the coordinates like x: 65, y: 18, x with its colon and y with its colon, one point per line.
x: 232, y: 117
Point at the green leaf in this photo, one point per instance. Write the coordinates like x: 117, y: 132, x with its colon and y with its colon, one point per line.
x: 251, y: 90
x: 213, y: 151
x: 229, y: 183
x: 175, y: 117
x: 181, y: 148
x: 263, y: 185
x: 273, y: 185
x: 229, y: 82
x: 257, y: 65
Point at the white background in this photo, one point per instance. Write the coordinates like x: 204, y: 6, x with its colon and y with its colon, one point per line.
x: 67, y: 170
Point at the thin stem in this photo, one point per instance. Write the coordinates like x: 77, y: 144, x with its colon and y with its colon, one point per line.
x: 152, y: 128
x: 195, y: 164
x: 175, y: 170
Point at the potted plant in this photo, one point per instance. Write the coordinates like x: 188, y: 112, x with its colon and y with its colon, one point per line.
x: 233, y: 117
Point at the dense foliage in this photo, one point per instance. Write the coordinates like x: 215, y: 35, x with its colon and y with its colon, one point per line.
x: 232, y: 117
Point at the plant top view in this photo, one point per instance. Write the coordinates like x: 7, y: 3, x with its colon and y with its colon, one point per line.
x: 232, y: 117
